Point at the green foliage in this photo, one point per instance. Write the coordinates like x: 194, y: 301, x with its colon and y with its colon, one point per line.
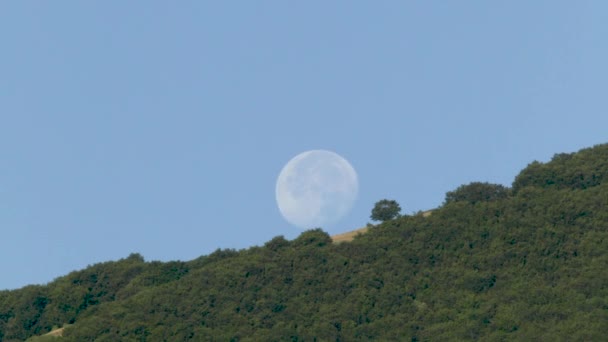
x: 528, y: 266
x: 385, y: 210
x: 313, y: 237
x: 477, y: 192
x: 277, y: 243
x: 581, y: 170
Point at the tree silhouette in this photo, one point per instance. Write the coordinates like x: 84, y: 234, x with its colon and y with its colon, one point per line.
x: 477, y: 192
x: 385, y: 210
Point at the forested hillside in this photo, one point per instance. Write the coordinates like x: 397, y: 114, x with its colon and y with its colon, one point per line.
x: 492, y: 263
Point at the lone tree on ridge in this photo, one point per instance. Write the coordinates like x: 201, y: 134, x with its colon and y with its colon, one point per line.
x: 385, y: 210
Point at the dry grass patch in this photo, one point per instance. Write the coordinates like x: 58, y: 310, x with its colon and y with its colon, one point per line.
x: 56, y: 332
x: 348, y: 236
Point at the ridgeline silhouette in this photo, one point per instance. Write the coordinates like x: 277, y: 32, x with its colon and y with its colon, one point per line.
x: 493, y: 263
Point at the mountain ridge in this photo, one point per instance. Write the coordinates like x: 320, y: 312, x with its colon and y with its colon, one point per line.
x: 491, y: 263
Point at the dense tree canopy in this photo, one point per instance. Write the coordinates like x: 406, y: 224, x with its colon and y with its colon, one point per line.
x: 529, y: 266
x: 477, y: 192
x: 580, y: 170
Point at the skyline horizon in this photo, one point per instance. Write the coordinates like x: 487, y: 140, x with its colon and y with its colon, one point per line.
x: 164, y: 133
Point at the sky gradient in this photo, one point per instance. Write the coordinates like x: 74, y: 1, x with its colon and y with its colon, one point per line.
x: 160, y: 127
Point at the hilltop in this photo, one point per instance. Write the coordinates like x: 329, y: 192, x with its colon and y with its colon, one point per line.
x: 527, y: 262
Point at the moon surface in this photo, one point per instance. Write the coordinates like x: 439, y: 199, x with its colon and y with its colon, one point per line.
x: 316, y: 188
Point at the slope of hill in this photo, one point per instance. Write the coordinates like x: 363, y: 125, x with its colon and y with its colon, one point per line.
x: 349, y: 236
x: 529, y: 264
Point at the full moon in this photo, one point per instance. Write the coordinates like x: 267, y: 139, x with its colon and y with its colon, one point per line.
x: 316, y: 188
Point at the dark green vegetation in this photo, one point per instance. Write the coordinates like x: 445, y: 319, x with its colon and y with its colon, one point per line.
x: 385, y: 210
x: 530, y: 264
x: 477, y: 192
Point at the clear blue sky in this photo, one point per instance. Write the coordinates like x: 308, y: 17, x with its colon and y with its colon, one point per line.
x: 160, y: 127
